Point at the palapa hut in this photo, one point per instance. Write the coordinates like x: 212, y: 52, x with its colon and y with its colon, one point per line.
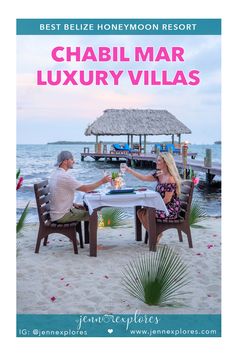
x: 141, y: 122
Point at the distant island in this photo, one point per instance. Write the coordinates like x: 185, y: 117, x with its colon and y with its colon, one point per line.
x: 217, y: 142
x: 70, y: 142
x: 87, y: 142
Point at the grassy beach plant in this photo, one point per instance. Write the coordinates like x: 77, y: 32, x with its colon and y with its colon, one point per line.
x: 112, y: 217
x: 197, y: 214
x: 156, y: 277
x: 21, y: 221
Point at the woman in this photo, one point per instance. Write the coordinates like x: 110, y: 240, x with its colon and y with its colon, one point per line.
x: 168, y: 185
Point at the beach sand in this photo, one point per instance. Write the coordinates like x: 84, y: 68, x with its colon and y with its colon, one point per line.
x: 56, y: 281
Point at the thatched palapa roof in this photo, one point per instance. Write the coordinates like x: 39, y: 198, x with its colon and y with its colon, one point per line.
x: 136, y: 122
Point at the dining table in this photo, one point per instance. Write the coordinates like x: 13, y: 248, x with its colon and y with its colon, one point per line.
x: 136, y: 198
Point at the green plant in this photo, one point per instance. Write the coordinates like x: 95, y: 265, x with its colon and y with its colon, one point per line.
x: 156, y: 278
x: 112, y: 217
x: 23, y: 216
x: 114, y: 175
x: 21, y: 221
x: 197, y: 214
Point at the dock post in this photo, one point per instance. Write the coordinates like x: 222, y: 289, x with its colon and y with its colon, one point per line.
x: 145, y: 144
x: 184, y: 157
x: 208, y: 158
x: 209, y: 177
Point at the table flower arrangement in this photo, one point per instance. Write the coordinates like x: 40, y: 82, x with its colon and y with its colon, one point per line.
x: 117, y: 180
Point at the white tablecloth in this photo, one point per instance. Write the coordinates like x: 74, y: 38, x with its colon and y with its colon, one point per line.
x: 147, y: 198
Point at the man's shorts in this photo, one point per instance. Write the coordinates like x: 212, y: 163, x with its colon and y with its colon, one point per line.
x: 74, y: 215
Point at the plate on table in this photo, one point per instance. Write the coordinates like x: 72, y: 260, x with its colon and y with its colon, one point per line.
x: 120, y: 191
x: 141, y: 189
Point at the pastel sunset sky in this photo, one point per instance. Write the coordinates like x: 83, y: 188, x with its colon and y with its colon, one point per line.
x: 50, y: 113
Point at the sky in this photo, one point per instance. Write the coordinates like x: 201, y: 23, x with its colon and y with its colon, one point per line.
x: 51, y: 113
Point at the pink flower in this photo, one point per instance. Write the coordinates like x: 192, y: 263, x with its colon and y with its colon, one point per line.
x: 195, y: 180
x: 210, y: 246
x: 19, y: 183
x: 53, y: 298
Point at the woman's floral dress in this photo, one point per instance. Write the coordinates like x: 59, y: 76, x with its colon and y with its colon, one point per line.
x: 173, y: 206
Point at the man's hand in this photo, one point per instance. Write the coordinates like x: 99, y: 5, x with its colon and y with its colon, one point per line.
x: 106, y: 179
x: 78, y: 206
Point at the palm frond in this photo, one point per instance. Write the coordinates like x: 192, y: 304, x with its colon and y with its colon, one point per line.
x: 156, y: 278
x: 21, y: 221
x: 112, y: 217
x: 191, y: 173
x: 18, y: 173
x: 197, y: 214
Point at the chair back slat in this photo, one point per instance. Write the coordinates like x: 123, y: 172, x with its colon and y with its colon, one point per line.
x: 46, y: 217
x: 42, y: 196
x: 186, y: 198
x: 45, y: 208
x: 43, y: 191
x: 44, y: 199
x: 185, y: 189
x: 42, y: 184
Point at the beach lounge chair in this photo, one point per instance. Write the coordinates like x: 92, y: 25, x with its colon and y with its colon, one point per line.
x: 166, y: 148
x: 182, y: 223
x: 159, y: 147
x: 46, y: 226
x: 170, y: 147
x: 120, y: 148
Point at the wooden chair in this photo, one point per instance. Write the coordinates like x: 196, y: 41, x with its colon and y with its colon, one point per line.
x: 182, y: 222
x: 46, y: 226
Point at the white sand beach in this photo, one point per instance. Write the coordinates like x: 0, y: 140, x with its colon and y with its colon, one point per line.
x: 56, y: 281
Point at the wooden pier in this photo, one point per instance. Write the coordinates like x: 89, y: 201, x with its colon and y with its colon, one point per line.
x: 145, y: 160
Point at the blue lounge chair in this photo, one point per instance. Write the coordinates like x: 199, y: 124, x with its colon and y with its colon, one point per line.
x: 118, y: 147
x: 170, y: 147
x: 167, y: 148
x: 160, y: 147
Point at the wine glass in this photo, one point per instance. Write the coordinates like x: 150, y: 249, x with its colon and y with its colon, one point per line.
x: 123, y: 168
x: 106, y: 173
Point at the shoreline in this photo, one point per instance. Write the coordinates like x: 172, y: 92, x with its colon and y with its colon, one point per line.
x: 56, y: 281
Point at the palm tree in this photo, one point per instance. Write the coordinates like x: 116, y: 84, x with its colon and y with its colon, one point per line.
x: 112, y: 217
x: 156, y: 278
x: 197, y: 214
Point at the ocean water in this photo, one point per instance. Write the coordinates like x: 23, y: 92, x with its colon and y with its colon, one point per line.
x: 36, y: 162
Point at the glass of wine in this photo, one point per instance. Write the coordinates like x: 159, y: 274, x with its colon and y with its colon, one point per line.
x: 106, y: 173
x: 123, y: 168
x: 105, y: 186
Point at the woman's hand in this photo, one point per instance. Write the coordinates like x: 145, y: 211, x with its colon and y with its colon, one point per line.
x: 128, y: 169
x: 159, y: 173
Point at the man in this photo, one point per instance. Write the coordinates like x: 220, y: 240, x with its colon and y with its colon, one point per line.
x: 62, y: 189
